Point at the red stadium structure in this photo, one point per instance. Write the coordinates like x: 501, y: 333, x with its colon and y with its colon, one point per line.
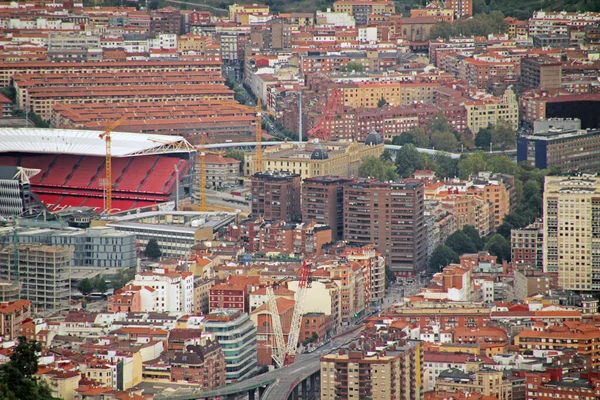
x: 72, y: 166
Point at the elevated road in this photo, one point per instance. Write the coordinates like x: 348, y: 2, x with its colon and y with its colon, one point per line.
x: 390, y: 147
x: 280, y: 382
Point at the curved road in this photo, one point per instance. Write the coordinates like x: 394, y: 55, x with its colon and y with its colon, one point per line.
x: 282, y: 381
x: 387, y: 146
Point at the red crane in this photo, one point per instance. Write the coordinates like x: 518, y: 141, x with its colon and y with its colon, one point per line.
x: 285, y: 353
x: 335, y: 107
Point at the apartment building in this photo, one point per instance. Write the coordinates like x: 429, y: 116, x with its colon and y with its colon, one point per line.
x: 323, y: 296
x: 10, y: 69
x: 492, y: 110
x: 234, y: 328
x: 361, y: 9
x: 374, y: 264
x: 389, y: 215
x: 276, y: 195
x: 323, y: 202
x: 486, y: 381
x: 12, y: 316
x: 175, y: 290
x: 531, y: 281
x: 199, y: 364
x: 221, y: 171
x: 44, y: 273
x: 315, y: 325
x: 219, y: 121
x: 572, y: 231
x: 541, y: 72
x: 571, y: 150
x: 527, y: 244
x: 448, y: 316
x: 461, y: 8
x: 374, y: 369
x: 367, y: 95
x: 310, y: 160
x: 580, y: 338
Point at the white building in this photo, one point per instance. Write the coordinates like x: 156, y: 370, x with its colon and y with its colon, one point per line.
x: 236, y: 334
x: 323, y: 296
x: 335, y: 19
x: 175, y: 290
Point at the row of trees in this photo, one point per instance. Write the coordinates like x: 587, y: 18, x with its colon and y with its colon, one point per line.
x: 502, y: 135
x: 437, y: 134
x: 467, y: 241
x: 97, y: 284
x: 479, y: 25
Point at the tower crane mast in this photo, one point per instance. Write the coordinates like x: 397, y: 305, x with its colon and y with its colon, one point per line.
x: 108, y: 164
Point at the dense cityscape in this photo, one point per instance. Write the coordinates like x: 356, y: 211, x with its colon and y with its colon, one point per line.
x: 359, y: 199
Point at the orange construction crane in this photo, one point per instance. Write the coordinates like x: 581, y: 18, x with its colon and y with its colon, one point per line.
x: 335, y: 107
x: 108, y: 184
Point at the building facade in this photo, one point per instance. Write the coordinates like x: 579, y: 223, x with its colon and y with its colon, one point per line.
x: 392, y: 371
x: 572, y: 231
x: 323, y: 202
x: 44, y: 273
x: 237, y: 336
x: 276, y: 195
x: 390, y: 216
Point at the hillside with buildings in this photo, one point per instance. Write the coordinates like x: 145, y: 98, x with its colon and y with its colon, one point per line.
x: 357, y: 199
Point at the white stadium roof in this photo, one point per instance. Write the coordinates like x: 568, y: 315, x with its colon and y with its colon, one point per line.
x: 88, y: 143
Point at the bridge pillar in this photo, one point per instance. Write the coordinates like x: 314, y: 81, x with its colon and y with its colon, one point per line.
x: 251, y: 394
x: 261, y: 392
x: 294, y: 395
x: 305, y: 394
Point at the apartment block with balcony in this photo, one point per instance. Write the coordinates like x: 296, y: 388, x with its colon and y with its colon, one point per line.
x: 276, y: 195
x: 572, y: 231
x: 236, y: 334
x: 390, y: 216
x: 373, y: 369
x: 323, y: 202
x: 527, y: 244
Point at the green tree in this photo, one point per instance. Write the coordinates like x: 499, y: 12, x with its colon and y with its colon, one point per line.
x: 484, y: 137
x: 382, y: 102
x: 402, y: 139
x: 122, y: 277
x: 408, y: 159
x: 499, y: 246
x: 420, y: 137
x: 473, y: 235
x: 442, y: 256
x: 444, y: 140
x: 502, y: 164
x: 472, y: 164
x: 99, y: 284
x: 85, y: 286
x: 377, y: 168
x: 354, y: 66
x: 504, y: 135
x: 152, y: 250
x: 17, y: 376
x: 236, y: 155
x: 386, y: 156
x: 460, y: 243
x: 445, y: 166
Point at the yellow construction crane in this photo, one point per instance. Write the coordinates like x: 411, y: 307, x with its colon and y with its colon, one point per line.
x: 106, y: 136
x: 202, y: 172
x: 259, y: 114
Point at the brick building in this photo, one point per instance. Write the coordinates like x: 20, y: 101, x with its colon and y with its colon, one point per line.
x: 276, y: 195
x: 323, y: 202
x: 541, y: 72
x: 390, y: 216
